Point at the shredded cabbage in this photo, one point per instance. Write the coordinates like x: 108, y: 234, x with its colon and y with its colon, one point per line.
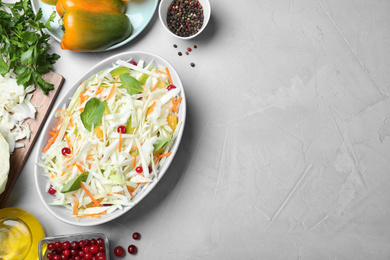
x: 15, y: 108
x: 119, y: 164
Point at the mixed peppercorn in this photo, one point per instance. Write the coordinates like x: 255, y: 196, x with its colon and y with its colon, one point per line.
x: 185, y: 17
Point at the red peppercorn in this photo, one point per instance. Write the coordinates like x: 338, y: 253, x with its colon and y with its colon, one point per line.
x: 132, y: 249
x: 94, y: 248
x: 170, y: 87
x: 121, y: 129
x: 51, y: 246
x: 133, y: 62
x: 198, y: 3
x: 52, y: 192
x: 136, y: 235
x: 65, y: 151
x: 189, y: 49
x: 139, y: 169
x: 119, y: 251
x: 195, y: 46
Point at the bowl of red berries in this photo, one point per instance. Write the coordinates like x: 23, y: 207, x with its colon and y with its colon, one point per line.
x: 77, y: 246
x: 184, y: 19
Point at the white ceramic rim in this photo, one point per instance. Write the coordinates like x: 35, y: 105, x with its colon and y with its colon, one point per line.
x: 205, y: 21
x: 38, y: 172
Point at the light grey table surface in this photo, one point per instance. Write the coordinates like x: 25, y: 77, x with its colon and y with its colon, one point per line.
x: 286, y: 149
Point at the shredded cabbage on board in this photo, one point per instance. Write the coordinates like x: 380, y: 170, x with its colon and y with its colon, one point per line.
x: 111, y: 139
x: 15, y: 108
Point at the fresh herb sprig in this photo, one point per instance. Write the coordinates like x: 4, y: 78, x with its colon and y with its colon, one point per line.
x: 24, y: 45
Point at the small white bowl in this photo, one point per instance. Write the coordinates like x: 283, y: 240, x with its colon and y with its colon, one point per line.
x: 163, y: 11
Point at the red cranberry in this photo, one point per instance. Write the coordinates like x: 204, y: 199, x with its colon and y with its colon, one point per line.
x: 87, y: 242
x: 77, y: 257
x: 57, y: 257
x: 139, y: 169
x: 65, y: 151
x: 100, y: 241
x: 133, y: 62
x: 94, y: 248
x: 64, y: 257
x: 49, y: 256
x: 150, y: 169
x: 66, y: 252
x: 93, y: 242
x: 55, y: 252
x: 51, y: 246
x: 87, y: 249
x: 121, y: 129
x: 119, y: 251
x: 100, y: 254
x: 58, y: 245
x: 170, y: 87
x: 51, y: 192
x: 74, y: 252
x: 88, y: 256
x: 74, y: 245
x: 82, y: 244
x: 136, y: 235
x: 66, y: 245
x: 81, y: 253
x: 132, y: 249
x: 103, y: 257
x: 102, y: 249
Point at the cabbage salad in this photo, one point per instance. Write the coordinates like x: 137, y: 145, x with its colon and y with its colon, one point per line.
x: 111, y: 139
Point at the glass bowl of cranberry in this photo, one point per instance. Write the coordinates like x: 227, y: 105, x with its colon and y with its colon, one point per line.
x: 76, y: 246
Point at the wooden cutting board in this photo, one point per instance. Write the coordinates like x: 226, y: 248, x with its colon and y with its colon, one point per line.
x: 20, y: 155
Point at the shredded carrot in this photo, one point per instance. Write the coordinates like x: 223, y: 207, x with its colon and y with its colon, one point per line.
x: 92, y: 204
x: 90, y: 158
x: 155, y: 86
x: 63, y: 111
x: 71, y: 122
x: 135, y: 161
x: 63, y: 173
x: 128, y: 189
x: 120, y: 141
x: 68, y: 141
x: 52, y: 133
x: 160, y: 71
x: 82, y: 98
x: 79, y: 167
x: 99, y: 90
x: 135, y: 148
x: 81, y: 109
x: 89, y: 194
x: 75, y: 205
x: 161, y: 156
x: 175, y: 104
x: 151, y: 108
x: 52, y: 175
x: 50, y: 142
x: 169, y: 76
x: 92, y: 215
x: 112, y: 89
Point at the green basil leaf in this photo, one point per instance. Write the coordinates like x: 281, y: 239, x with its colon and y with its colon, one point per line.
x: 160, y: 144
x: 93, y: 113
x: 131, y: 84
x: 74, y: 184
